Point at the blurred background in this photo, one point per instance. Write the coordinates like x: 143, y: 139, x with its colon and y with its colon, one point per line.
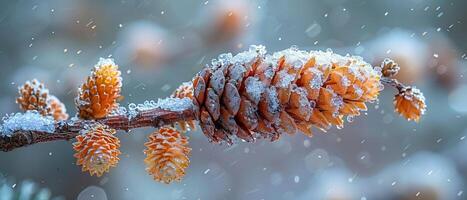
x: 159, y: 44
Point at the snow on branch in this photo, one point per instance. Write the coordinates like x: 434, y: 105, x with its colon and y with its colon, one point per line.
x: 20, y: 130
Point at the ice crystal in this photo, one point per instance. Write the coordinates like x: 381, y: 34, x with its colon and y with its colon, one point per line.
x: 28, y: 121
x: 272, y: 98
x: 254, y: 88
x: 170, y: 104
x: 105, y: 62
x: 250, y: 55
x: 317, y: 81
x: 285, y: 80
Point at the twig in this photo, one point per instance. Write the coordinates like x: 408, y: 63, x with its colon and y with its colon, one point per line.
x: 392, y: 82
x: 69, y: 129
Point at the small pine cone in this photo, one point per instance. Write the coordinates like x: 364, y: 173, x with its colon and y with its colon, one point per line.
x: 253, y: 95
x: 34, y: 96
x: 167, y: 155
x: 185, y: 91
x: 58, y: 109
x: 99, y: 94
x: 97, y: 149
x: 410, y: 103
x: 389, y: 68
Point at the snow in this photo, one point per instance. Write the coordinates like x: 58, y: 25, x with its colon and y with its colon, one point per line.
x: 285, y: 79
x: 217, y: 81
x: 358, y: 90
x: 337, y: 101
x: 28, y: 121
x: 247, y: 57
x: 294, y: 56
x: 254, y: 88
x: 105, y: 62
x: 317, y: 81
x: 273, y: 100
x: 170, y: 104
x: 236, y: 72
x: 225, y: 58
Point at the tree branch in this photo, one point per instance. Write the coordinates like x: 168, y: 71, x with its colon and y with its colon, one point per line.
x: 392, y: 82
x: 69, y: 129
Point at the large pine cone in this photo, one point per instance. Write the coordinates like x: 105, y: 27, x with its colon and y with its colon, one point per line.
x: 254, y: 95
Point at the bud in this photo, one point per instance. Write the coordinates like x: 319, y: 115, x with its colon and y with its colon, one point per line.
x: 389, y: 67
x: 410, y: 103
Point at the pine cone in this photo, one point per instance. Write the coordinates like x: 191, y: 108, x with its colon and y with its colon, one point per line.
x: 33, y: 95
x: 167, y: 155
x: 389, y: 68
x: 185, y: 91
x: 99, y: 95
x: 254, y: 95
x: 410, y: 103
x: 97, y: 149
x: 58, y: 110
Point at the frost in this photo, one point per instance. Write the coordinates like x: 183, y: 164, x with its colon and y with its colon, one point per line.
x: 28, y: 121
x: 105, y: 62
x: 285, y: 79
x: 254, y: 88
x: 273, y: 100
x: 293, y: 56
x: 345, y: 81
x: 337, y: 101
x: 171, y: 104
x: 119, y: 111
x: 248, y: 56
x: 217, y: 81
x: 236, y: 72
x: 358, y: 90
x: 317, y: 81
x: 225, y: 58
x: 270, y: 71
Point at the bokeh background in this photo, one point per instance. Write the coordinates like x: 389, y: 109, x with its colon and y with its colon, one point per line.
x: 161, y: 43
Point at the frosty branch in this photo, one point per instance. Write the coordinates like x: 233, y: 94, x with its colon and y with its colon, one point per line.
x: 69, y: 129
x: 249, y: 96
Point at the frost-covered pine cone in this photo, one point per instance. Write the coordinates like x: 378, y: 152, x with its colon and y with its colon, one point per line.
x: 389, y: 68
x: 33, y: 95
x: 97, y: 149
x: 99, y: 94
x: 410, y: 103
x: 254, y: 95
x: 167, y: 155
